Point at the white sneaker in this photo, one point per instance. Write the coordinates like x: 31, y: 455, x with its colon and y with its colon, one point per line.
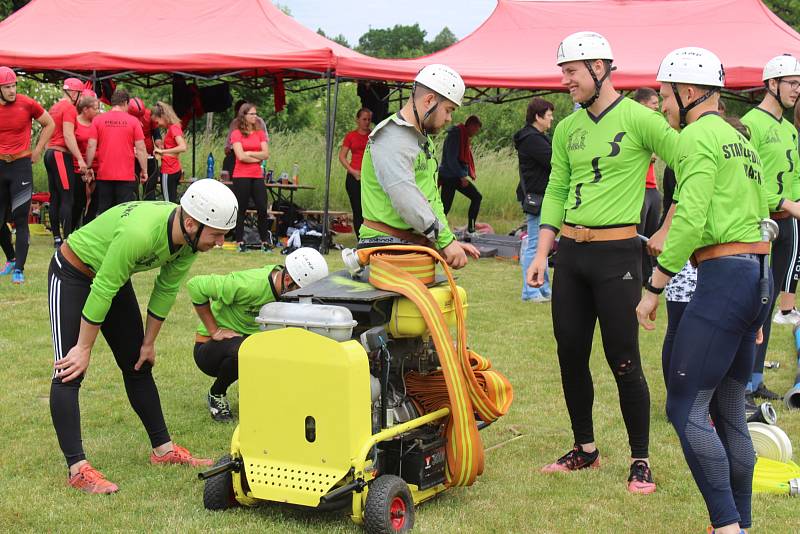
x: 793, y: 317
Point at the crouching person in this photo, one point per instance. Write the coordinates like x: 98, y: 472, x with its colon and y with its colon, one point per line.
x: 90, y: 291
x: 228, y: 305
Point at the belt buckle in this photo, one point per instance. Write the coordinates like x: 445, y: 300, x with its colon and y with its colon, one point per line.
x: 5, y: 157
x: 583, y: 234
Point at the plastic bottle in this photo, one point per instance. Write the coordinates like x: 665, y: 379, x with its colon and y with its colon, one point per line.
x: 295, y: 171
x: 210, y: 166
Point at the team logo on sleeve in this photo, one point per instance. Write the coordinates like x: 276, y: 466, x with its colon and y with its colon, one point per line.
x: 577, y: 139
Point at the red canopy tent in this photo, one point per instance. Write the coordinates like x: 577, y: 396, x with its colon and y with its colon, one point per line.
x: 162, y: 36
x: 516, y: 46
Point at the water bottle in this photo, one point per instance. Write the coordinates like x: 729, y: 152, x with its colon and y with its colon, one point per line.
x: 264, y: 168
x: 295, y: 171
x: 210, y: 166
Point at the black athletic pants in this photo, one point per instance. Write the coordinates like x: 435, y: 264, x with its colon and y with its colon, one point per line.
x: 648, y: 224
x: 122, y: 329
x: 169, y: 186
x: 5, y: 241
x: 591, y: 282
x: 16, y: 188
x: 67, y: 193
x: 153, y: 178
x: 113, y: 192
x: 449, y: 188
x: 353, y: 188
x: 785, y: 270
x: 246, y: 189
x: 219, y: 359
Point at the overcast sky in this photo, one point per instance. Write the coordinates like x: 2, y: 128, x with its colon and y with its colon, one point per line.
x: 353, y: 18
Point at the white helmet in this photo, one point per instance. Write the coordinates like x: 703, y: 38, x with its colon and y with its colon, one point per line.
x: 780, y: 66
x: 211, y: 203
x: 306, y: 266
x: 583, y: 46
x: 692, y: 65
x: 443, y: 80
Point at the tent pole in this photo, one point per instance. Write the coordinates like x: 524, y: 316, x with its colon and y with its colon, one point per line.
x: 194, y: 145
x: 328, y: 143
x: 328, y: 161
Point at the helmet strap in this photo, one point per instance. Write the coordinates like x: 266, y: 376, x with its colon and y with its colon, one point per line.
x: 684, y: 110
x: 191, y: 242
x: 598, y: 82
x: 777, y: 93
x: 421, y: 123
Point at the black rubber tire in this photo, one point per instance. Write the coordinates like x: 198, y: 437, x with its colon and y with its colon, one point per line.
x: 218, y: 491
x: 377, y: 510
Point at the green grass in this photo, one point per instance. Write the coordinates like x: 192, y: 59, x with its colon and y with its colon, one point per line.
x: 511, y: 496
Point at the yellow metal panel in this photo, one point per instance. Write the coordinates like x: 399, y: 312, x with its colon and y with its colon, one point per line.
x: 407, y: 321
x: 285, y: 377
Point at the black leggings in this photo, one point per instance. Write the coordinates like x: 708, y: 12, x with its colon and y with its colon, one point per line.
x: 67, y: 193
x: 785, y: 270
x: 5, y: 241
x: 122, y: 329
x: 113, y: 192
x: 246, y: 189
x: 591, y: 281
x: 674, y: 313
x: 169, y: 186
x: 648, y: 224
x: 16, y: 188
x: 353, y: 188
x: 449, y: 188
x: 153, y: 178
x: 219, y: 359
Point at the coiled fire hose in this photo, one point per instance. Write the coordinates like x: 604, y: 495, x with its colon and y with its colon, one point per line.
x: 466, y: 382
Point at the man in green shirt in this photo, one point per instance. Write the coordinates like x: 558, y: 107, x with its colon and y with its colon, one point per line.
x: 775, y: 140
x: 717, y: 221
x: 594, y: 198
x: 399, y: 195
x: 90, y: 291
x: 228, y: 306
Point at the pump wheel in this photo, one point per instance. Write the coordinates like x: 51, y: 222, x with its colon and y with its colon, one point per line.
x: 218, y: 491
x: 389, y: 508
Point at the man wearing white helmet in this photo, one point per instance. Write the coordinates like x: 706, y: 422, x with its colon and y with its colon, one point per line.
x: 228, y: 305
x: 594, y: 198
x: 16, y: 159
x: 775, y: 139
x: 399, y: 195
x: 90, y: 291
x: 720, y: 205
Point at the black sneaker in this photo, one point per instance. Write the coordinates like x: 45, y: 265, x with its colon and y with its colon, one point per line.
x: 762, y: 392
x: 641, y: 478
x: 219, y: 408
x: 242, y: 247
x: 574, y: 460
x: 749, y: 403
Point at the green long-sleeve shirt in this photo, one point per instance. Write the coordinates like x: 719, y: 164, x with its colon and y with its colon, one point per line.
x: 127, y: 239
x: 236, y: 298
x: 776, y: 143
x: 599, y: 165
x: 722, y: 198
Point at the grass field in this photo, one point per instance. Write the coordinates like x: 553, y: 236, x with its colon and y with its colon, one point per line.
x: 511, y: 496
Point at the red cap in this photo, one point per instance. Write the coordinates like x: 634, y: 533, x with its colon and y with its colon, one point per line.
x: 136, y: 106
x: 73, y: 84
x: 7, y: 76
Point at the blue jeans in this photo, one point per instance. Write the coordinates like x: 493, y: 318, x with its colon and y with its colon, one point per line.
x: 526, y: 258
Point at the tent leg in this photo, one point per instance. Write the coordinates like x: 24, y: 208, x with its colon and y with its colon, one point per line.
x: 194, y: 146
x: 331, y: 123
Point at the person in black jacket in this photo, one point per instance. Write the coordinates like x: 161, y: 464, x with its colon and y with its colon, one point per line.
x: 458, y: 166
x: 534, y: 151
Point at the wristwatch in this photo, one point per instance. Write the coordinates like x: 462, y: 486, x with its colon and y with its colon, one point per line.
x: 651, y: 288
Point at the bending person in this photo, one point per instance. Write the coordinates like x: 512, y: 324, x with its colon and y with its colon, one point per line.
x: 228, y: 305
x: 90, y: 291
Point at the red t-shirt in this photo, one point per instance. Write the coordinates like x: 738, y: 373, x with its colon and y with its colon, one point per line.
x: 82, y: 136
x: 15, y: 124
x: 116, y: 133
x: 357, y: 143
x: 62, y: 111
x: 171, y: 164
x: 650, y: 181
x: 250, y: 143
x: 148, y: 126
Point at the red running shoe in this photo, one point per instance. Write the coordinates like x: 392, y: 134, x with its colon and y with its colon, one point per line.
x: 91, y: 480
x: 179, y: 455
x: 641, y: 479
x: 574, y: 460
